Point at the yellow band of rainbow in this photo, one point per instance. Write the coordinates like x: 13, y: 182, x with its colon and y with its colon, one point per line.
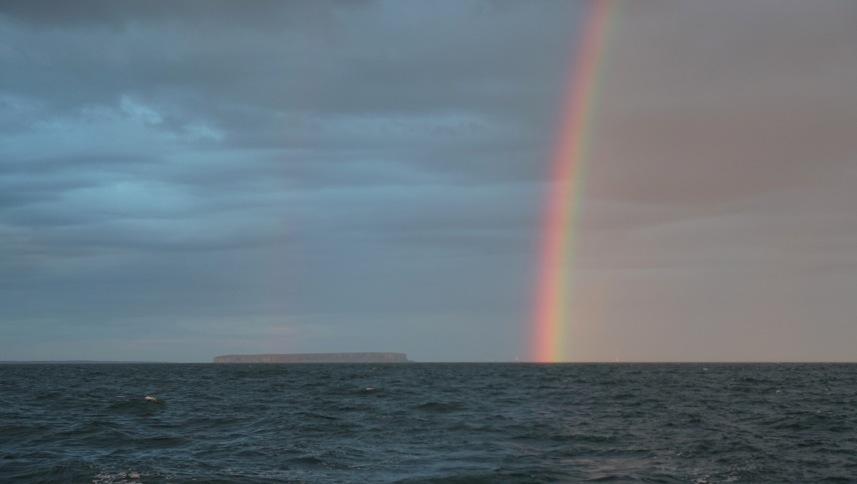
x: 553, y: 296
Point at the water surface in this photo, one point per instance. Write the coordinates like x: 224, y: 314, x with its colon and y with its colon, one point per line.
x: 428, y: 423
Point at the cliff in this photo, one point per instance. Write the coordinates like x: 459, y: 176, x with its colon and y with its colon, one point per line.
x: 315, y: 358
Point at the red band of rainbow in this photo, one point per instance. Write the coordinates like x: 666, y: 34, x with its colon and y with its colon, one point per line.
x: 552, y: 301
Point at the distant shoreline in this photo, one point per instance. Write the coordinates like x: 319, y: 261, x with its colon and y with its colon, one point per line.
x: 303, y: 358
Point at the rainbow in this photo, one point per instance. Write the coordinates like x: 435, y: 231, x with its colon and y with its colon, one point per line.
x: 552, y: 300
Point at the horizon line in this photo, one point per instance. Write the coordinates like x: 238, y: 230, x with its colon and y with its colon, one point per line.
x: 589, y: 362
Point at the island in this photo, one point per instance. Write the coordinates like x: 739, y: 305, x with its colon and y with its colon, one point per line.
x: 315, y: 358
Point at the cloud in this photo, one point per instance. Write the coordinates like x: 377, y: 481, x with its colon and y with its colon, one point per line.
x: 376, y: 170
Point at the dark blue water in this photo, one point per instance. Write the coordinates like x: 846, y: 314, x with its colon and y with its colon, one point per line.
x: 428, y: 423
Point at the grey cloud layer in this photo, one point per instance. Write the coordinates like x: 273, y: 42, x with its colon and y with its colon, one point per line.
x: 288, y: 165
x: 368, y: 175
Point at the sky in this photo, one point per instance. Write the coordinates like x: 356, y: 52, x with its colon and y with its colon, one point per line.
x: 180, y: 180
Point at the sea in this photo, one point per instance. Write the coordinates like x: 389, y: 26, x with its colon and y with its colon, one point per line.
x: 428, y: 423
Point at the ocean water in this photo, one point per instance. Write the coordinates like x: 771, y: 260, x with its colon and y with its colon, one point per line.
x: 462, y: 423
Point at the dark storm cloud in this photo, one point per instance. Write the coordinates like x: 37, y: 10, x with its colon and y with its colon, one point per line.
x: 180, y: 165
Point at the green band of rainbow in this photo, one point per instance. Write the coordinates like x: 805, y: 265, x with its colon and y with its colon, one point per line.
x: 562, y: 207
